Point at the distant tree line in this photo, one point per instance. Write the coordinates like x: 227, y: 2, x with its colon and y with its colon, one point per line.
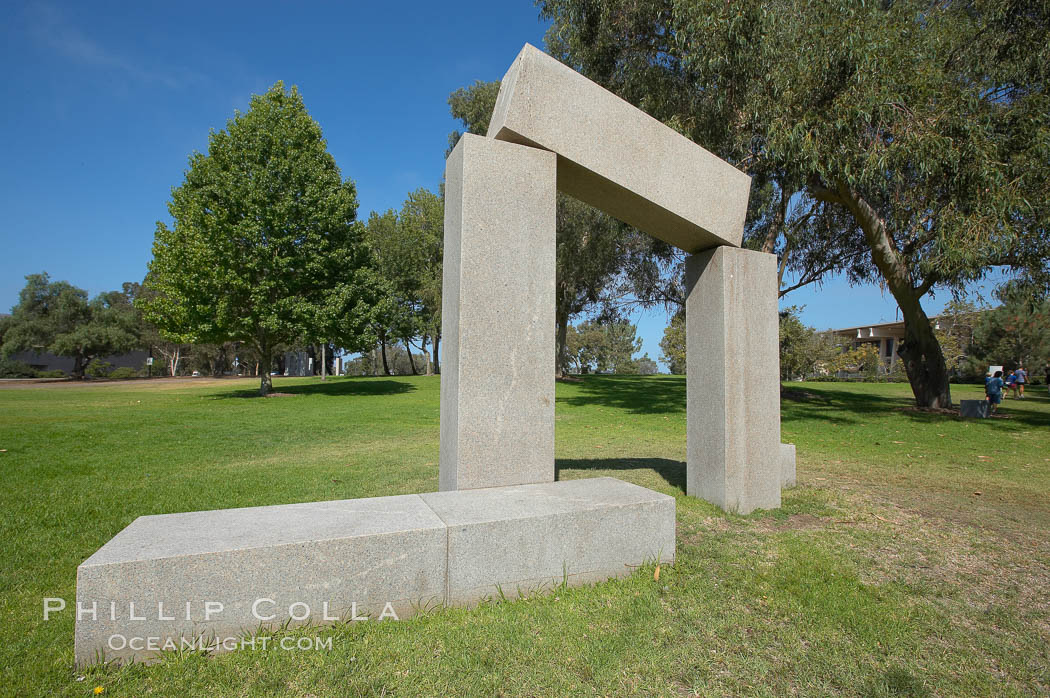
x: 56, y: 317
x: 1012, y: 334
x: 905, y: 146
x: 266, y: 256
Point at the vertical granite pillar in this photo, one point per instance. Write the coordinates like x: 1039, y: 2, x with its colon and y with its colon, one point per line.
x: 733, y: 379
x: 497, y: 316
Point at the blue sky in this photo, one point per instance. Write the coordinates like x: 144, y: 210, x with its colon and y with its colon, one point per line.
x: 105, y: 101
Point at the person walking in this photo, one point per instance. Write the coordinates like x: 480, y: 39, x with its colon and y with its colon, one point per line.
x: 993, y: 390
x: 1011, y: 383
x: 1020, y: 378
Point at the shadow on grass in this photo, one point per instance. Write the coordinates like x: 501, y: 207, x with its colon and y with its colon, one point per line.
x: 667, y: 395
x: 835, y: 405
x: 896, y: 681
x: 672, y: 471
x: 664, y: 395
x: 336, y: 387
x: 841, y: 406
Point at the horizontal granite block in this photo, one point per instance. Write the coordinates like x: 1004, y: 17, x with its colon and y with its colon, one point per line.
x: 787, y: 465
x: 164, y: 577
x: 616, y: 157
x: 216, y: 576
x: 511, y: 540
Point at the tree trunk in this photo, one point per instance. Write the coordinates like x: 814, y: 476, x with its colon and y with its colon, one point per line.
x: 426, y: 356
x: 561, y: 352
x: 769, y: 245
x: 923, y: 359
x: 382, y: 351
x: 437, y: 344
x: 219, y: 367
x: 324, y: 361
x: 265, y: 380
x: 921, y: 352
x: 783, y: 264
x: 411, y: 361
x: 78, y: 367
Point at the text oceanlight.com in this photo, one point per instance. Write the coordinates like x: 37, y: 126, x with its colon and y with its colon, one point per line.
x: 119, y: 642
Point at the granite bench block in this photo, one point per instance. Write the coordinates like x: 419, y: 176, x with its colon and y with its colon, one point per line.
x: 529, y: 537
x: 158, y: 581
x: 616, y: 157
x: 296, y: 563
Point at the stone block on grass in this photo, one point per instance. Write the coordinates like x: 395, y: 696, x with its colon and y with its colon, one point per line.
x: 215, y: 575
x: 210, y: 578
x: 513, y: 540
x: 974, y: 409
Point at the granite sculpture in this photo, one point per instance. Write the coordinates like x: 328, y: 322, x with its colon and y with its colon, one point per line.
x: 500, y: 525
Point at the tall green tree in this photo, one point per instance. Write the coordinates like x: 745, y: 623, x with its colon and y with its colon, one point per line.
x: 910, y: 140
x: 57, y: 317
x: 803, y: 350
x: 473, y: 106
x: 152, y: 339
x: 604, y: 346
x: 395, y: 316
x: 592, y: 252
x: 407, y: 247
x: 422, y: 221
x: 1017, y: 332
x: 673, y: 344
x: 266, y: 248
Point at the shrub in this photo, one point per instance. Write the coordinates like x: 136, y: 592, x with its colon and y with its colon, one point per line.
x: 98, y: 369
x: 53, y: 373
x: 16, y: 369
x: 124, y: 372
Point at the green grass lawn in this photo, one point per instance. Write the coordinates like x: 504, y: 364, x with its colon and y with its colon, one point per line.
x: 912, y: 559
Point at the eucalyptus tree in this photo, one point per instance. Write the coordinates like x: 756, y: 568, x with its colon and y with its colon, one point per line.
x: 266, y: 248
x: 604, y: 346
x: 902, y: 143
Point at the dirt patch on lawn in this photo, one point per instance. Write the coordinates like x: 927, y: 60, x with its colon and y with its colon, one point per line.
x: 795, y: 522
